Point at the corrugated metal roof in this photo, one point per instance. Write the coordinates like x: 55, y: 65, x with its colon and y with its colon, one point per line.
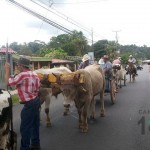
x: 60, y: 61
x: 38, y: 59
x: 33, y: 59
x: 10, y: 51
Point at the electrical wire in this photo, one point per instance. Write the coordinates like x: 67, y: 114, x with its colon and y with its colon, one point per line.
x: 58, y: 26
x: 41, y: 17
x: 63, y: 16
x: 83, y: 2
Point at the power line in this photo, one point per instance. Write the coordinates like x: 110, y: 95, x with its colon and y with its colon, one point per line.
x: 41, y: 17
x: 63, y: 16
x: 83, y: 2
x: 58, y: 26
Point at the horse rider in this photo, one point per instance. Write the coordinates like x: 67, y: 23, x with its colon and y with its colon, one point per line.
x: 133, y: 61
x: 85, y: 61
x: 117, y: 62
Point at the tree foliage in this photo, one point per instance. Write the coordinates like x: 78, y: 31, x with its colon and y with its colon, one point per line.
x: 73, y: 44
x: 76, y: 45
x: 99, y: 48
x: 56, y: 53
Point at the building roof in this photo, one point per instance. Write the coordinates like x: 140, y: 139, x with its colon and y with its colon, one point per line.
x: 43, y: 59
x: 10, y: 51
x: 54, y: 61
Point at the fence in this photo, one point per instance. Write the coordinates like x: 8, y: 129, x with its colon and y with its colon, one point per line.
x: 2, y: 70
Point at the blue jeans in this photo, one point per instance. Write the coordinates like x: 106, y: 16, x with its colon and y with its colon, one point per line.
x: 30, y: 122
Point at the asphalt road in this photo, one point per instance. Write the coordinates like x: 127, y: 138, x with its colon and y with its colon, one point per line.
x: 125, y: 127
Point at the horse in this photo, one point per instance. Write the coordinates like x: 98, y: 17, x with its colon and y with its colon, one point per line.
x: 131, y: 71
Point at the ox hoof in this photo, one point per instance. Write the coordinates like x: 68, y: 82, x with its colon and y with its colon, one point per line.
x: 65, y: 113
x: 84, y: 130
x: 91, y: 120
x: 81, y: 127
x: 48, y: 124
x: 102, y: 115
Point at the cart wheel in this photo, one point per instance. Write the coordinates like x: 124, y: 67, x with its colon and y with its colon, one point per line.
x: 15, y: 146
x: 125, y: 80
x: 113, y: 91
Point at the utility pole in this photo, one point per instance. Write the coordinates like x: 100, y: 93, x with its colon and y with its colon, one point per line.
x: 116, y: 36
x: 50, y: 3
x: 91, y: 54
x: 92, y: 37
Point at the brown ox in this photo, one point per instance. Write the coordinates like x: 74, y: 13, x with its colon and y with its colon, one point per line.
x: 46, y: 91
x: 82, y: 86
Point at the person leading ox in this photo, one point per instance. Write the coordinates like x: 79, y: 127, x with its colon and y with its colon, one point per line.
x: 27, y: 84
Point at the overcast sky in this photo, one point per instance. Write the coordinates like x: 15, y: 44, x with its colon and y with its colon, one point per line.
x: 131, y: 18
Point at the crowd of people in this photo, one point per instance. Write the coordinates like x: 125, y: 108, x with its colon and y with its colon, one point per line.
x: 106, y: 64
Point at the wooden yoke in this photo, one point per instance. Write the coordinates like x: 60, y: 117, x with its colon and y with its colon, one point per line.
x: 41, y: 76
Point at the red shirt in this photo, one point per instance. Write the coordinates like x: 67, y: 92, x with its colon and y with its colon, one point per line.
x: 27, y: 84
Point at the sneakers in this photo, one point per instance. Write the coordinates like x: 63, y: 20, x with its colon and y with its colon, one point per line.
x: 35, y: 148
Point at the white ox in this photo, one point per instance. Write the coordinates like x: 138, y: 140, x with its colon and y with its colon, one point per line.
x: 82, y: 86
x: 119, y: 75
x: 47, y: 92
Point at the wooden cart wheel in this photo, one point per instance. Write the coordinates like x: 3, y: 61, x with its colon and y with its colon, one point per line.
x: 113, y: 91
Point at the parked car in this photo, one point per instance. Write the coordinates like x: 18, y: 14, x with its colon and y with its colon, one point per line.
x: 139, y: 67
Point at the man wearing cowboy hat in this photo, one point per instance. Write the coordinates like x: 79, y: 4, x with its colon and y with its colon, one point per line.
x: 85, y: 61
x: 131, y: 60
x: 107, y: 65
x: 107, y: 68
x: 27, y: 84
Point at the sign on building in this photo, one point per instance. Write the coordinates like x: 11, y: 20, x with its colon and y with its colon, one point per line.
x: 91, y: 54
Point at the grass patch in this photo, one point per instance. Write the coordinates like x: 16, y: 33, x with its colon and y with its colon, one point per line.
x: 15, y: 99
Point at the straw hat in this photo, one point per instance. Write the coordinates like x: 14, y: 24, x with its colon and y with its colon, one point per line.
x: 119, y: 58
x: 85, y: 57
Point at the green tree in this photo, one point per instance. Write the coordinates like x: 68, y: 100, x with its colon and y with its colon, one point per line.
x: 15, y: 46
x: 99, y: 48
x: 111, y: 50
x: 56, y: 53
x: 73, y: 44
x: 36, y: 46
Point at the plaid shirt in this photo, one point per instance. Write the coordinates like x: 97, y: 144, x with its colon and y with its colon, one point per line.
x: 27, y: 84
